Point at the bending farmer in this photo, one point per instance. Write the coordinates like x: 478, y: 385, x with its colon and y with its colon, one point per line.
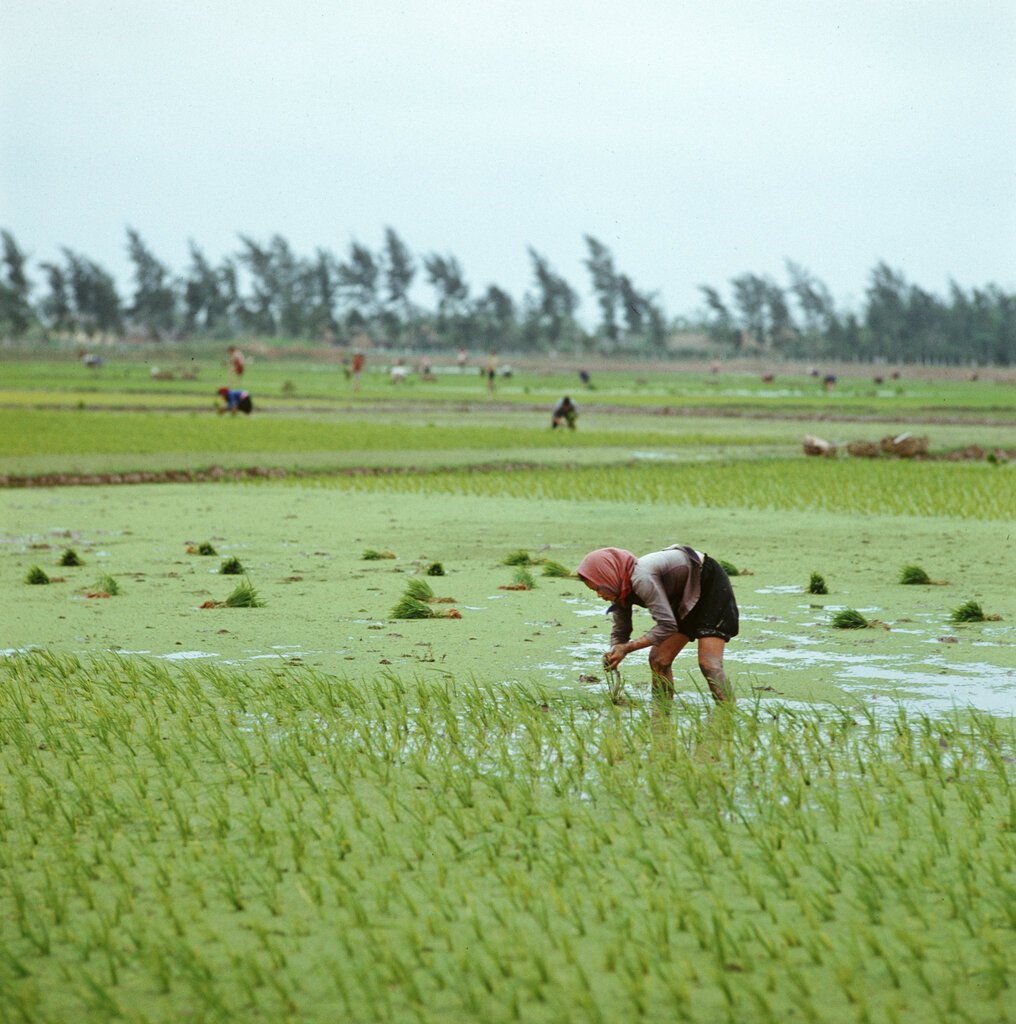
x: 236, y: 401
x: 685, y: 591
x: 564, y: 412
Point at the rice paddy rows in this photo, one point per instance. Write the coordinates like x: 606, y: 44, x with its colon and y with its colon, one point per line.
x: 971, y: 491
x: 211, y: 845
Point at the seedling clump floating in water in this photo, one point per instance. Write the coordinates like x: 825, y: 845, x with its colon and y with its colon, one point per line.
x: 204, y: 548
x: 70, y: 557
x: 416, y: 601
x: 419, y: 590
x: 244, y: 596
x: 557, y: 570
x: 435, y: 569
x: 728, y: 567
x: 104, y: 586
x: 231, y: 567
x: 914, y: 575
x: 372, y: 555
x: 971, y: 611
x: 817, y: 584
x: 521, y: 580
x: 36, y: 575
x: 850, y: 618
x: 518, y: 558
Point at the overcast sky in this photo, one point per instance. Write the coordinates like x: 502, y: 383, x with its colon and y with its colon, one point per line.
x: 697, y: 139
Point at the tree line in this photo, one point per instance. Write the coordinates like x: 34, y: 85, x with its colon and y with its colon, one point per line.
x: 367, y: 295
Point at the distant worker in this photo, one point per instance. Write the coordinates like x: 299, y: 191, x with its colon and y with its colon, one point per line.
x: 829, y: 381
x: 425, y: 370
x: 237, y: 363
x: 585, y: 378
x: 491, y: 370
x: 564, y: 412
x: 236, y: 401
x: 461, y: 359
x: 356, y: 366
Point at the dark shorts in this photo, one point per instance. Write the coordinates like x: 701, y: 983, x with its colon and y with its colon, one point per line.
x: 715, y: 614
x: 245, y: 404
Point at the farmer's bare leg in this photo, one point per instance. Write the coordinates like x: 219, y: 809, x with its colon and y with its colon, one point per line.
x: 661, y: 657
x: 710, y: 659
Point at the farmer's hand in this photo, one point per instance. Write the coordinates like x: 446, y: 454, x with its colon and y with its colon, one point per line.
x: 614, y: 657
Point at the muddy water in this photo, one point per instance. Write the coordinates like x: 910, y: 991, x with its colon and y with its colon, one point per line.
x: 327, y: 608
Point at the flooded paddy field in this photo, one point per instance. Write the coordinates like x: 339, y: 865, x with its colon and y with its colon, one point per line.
x: 307, y: 809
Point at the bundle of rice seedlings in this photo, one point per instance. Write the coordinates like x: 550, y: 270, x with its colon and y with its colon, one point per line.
x: 408, y: 607
x: 850, y: 618
x: 518, y: 558
x: 523, y: 578
x: 244, y: 596
x: 231, y: 567
x: 915, y: 575
x: 105, y: 586
x: 728, y: 567
x: 36, y: 576
x: 817, y: 584
x: 435, y: 569
x: 70, y: 557
x: 371, y: 555
x: 969, y: 611
x: 204, y: 548
x: 557, y: 570
x: 419, y: 590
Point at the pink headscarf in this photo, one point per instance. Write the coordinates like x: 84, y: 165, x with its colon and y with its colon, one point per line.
x: 609, y: 569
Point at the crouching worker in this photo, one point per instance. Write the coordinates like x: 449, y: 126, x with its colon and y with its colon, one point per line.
x: 564, y: 412
x: 685, y: 591
x: 236, y: 401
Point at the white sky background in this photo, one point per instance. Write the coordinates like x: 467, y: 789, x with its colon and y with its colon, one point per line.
x: 697, y: 140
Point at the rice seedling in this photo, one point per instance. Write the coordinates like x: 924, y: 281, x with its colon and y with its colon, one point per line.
x: 914, y: 575
x: 728, y: 567
x: 36, y: 576
x: 850, y: 618
x: 519, y: 557
x: 435, y: 569
x: 969, y: 611
x: 70, y: 558
x: 231, y: 567
x: 523, y: 578
x: 409, y: 607
x: 244, y: 596
x: 419, y: 590
x: 204, y: 548
x: 615, y: 685
x: 314, y: 810
x: 105, y: 586
x: 556, y: 570
x: 817, y: 584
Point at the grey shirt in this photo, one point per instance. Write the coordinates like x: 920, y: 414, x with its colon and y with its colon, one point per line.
x: 668, y: 585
